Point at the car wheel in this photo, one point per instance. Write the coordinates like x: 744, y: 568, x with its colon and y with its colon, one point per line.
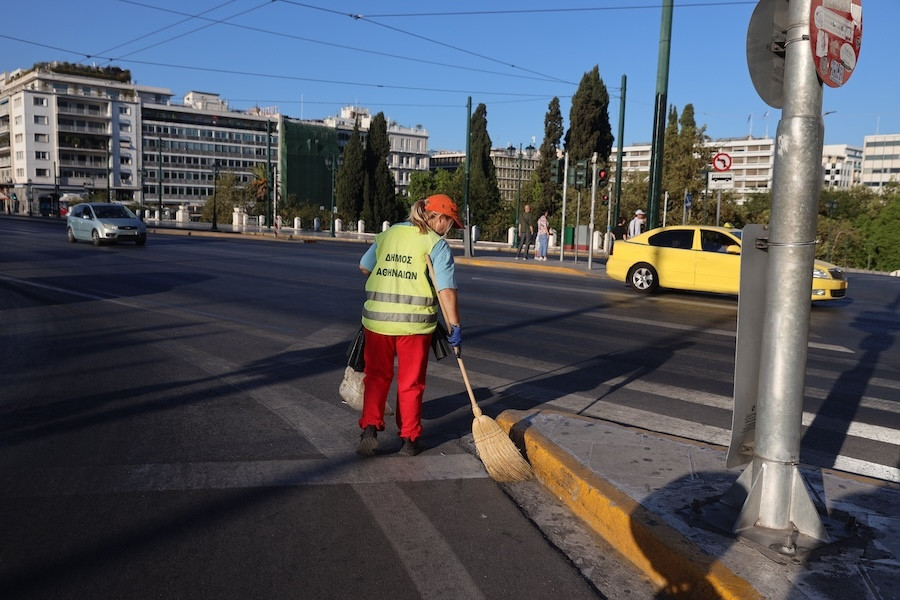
x: 70, y: 235
x: 643, y: 278
x: 95, y: 237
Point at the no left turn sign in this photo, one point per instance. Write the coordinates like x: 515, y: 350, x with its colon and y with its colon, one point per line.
x: 721, y: 162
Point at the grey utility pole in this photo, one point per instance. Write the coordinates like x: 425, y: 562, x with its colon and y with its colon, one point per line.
x: 777, y: 498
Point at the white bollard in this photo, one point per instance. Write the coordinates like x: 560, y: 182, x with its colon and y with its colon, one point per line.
x: 360, y: 226
x: 296, y: 222
x: 338, y: 225
x: 598, y: 241
x: 511, y: 236
x: 236, y: 218
x: 551, y: 241
x: 261, y: 219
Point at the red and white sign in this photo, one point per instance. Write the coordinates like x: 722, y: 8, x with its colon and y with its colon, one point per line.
x: 721, y: 162
x: 835, y: 35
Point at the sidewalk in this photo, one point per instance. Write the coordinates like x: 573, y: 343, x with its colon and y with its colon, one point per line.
x: 655, y: 498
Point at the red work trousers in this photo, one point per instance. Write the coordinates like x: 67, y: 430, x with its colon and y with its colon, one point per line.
x: 411, y: 352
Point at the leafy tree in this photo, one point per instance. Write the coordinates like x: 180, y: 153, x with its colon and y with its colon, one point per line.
x: 484, y: 191
x: 421, y: 185
x: 684, y: 159
x: 589, y: 128
x: 350, y: 179
x: 553, y: 133
x: 229, y: 194
x: 259, y: 188
x: 383, y: 198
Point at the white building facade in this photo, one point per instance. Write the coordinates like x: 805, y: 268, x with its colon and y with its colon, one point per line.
x: 881, y: 160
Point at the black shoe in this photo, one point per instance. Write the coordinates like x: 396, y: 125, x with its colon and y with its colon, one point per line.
x: 410, y: 447
x: 367, y: 441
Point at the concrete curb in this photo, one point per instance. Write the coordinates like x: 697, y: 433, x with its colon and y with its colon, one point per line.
x: 674, y: 564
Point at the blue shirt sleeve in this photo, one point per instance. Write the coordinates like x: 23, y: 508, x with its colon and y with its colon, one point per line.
x: 368, y: 259
x: 444, y: 268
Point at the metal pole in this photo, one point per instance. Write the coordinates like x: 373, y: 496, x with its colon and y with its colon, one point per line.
x: 593, y: 205
x: 518, y: 200
x: 215, y: 215
x: 562, y: 239
x: 268, y: 168
x: 778, y: 498
x: 333, y: 169
x: 615, y: 215
x: 159, y: 178
x: 467, y: 232
x: 659, y: 116
x: 108, y: 192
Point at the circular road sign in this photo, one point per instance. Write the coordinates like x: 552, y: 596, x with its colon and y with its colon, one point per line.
x: 835, y: 36
x: 721, y: 162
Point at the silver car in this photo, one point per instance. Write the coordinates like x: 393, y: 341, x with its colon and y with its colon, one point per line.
x: 100, y: 222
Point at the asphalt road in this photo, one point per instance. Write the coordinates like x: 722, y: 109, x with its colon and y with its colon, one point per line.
x: 170, y: 428
x: 170, y: 424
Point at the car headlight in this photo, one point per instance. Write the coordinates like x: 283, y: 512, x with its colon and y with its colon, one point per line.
x: 109, y: 227
x: 820, y: 274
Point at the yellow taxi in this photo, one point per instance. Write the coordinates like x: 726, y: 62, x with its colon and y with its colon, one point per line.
x: 700, y: 258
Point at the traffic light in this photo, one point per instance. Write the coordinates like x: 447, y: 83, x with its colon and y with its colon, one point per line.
x: 604, y: 200
x: 556, y: 171
x: 601, y: 178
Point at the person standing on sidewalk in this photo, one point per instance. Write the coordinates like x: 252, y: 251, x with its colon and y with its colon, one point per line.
x: 636, y: 227
x: 400, y: 316
x: 543, y: 235
x: 526, y: 230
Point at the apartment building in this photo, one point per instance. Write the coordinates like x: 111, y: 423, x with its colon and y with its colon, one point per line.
x: 409, y: 145
x: 506, y: 163
x: 842, y: 166
x: 752, y: 161
x: 881, y: 160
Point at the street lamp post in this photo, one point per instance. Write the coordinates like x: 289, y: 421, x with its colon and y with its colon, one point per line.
x: 511, y: 151
x: 832, y: 204
x: 88, y: 189
x: 331, y: 163
x: 215, y: 215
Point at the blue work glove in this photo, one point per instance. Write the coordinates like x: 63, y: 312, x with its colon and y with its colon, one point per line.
x: 455, y: 337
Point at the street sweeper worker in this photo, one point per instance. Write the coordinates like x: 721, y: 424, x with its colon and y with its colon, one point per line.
x: 400, y: 316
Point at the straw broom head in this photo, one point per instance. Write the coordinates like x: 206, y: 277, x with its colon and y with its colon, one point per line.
x: 499, y: 454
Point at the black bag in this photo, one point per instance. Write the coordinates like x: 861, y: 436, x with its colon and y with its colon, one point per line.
x: 355, y: 357
x: 439, y: 344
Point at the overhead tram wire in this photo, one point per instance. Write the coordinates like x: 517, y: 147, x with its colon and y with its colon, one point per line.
x: 330, y: 44
x: 161, y: 29
x: 524, y: 11
x: 358, y: 17
x: 270, y: 75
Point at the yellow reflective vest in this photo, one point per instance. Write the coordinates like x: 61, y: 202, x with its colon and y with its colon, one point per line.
x: 399, y: 296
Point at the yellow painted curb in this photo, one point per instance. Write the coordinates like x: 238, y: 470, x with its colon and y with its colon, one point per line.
x: 674, y: 564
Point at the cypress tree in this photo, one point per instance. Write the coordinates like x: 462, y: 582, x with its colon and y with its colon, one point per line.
x: 350, y: 178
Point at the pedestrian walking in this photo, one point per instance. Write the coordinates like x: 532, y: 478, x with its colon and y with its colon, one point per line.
x: 526, y: 231
x: 543, y: 235
x: 400, y: 316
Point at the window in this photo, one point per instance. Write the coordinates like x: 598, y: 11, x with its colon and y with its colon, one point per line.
x: 41, y: 155
x: 679, y: 238
x: 42, y: 172
x: 40, y: 101
x: 41, y: 120
x: 17, y: 120
x: 124, y: 110
x: 17, y: 101
x: 41, y: 137
x: 20, y: 138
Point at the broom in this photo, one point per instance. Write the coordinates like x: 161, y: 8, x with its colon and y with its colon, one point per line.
x: 499, y: 454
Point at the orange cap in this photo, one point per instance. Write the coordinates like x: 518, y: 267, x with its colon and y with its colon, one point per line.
x: 441, y: 203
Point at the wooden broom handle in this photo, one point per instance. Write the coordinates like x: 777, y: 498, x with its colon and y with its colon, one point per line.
x: 459, y: 360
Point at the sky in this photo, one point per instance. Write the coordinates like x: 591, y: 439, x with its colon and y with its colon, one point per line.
x: 420, y: 62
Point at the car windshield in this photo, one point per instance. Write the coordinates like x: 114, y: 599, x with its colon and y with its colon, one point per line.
x: 113, y: 211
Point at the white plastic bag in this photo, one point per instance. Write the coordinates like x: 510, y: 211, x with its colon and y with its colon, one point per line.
x: 352, y: 390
